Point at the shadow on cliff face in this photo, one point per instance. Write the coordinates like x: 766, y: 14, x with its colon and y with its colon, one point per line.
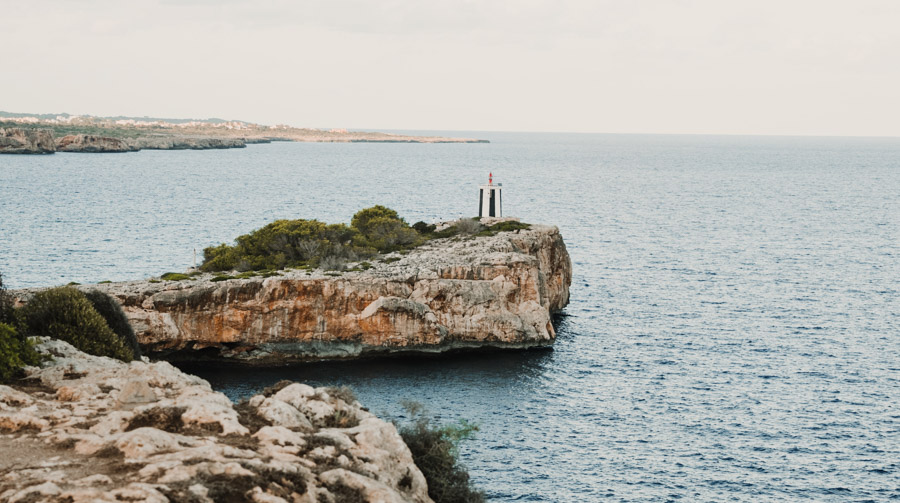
x: 561, y: 324
x: 412, y: 370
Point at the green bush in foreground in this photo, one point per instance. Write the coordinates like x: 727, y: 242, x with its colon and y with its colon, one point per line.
x: 15, y: 352
x: 435, y: 450
x: 112, y: 312
x: 7, y: 314
x: 65, y: 313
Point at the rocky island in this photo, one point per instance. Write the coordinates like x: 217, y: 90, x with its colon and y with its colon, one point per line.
x: 462, y: 292
x: 44, y: 134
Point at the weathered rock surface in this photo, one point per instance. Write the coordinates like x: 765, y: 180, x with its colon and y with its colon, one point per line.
x: 496, y: 291
x: 184, y: 143
x: 26, y: 141
x: 69, y: 436
x: 92, y: 144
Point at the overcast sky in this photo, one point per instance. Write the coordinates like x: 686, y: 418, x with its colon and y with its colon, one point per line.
x: 817, y: 67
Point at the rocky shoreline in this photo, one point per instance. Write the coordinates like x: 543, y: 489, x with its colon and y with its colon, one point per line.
x: 15, y: 140
x: 455, y: 293
x: 85, y: 428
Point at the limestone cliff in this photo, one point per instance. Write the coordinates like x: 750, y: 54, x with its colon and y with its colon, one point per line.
x: 91, y: 144
x: 184, y: 143
x: 92, y: 429
x: 494, y: 291
x: 26, y: 141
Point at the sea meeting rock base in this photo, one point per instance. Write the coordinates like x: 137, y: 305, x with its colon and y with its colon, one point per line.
x: 92, y: 429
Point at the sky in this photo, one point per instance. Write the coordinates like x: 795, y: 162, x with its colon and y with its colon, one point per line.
x: 787, y: 67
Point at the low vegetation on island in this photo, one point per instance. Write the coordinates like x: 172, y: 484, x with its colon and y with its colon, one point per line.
x: 314, y: 244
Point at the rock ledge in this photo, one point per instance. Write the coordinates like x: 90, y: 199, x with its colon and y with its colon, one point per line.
x: 93, y: 429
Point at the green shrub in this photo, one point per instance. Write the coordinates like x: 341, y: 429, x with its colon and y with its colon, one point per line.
x: 7, y: 314
x: 382, y: 229
x: 112, y: 312
x: 104, y: 282
x: 365, y: 220
x: 435, y: 450
x: 174, y: 276
x: 222, y: 277
x: 65, y: 313
x: 449, y: 232
x: 468, y: 226
x: 285, y: 243
x: 15, y: 352
x: 333, y: 263
x: 423, y: 228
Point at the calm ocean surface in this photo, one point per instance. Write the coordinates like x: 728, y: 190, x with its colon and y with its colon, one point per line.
x: 734, y: 330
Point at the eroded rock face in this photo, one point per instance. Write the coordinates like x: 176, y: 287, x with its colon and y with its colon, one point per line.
x: 185, y: 143
x: 79, y: 439
x: 91, y: 144
x: 26, y: 141
x: 497, y: 291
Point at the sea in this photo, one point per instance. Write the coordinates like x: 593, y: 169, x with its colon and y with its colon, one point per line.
x: 734, y: 326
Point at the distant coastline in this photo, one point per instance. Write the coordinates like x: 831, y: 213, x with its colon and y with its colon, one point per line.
x: 44, y: 133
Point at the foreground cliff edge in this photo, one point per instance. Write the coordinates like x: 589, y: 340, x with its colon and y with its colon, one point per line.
x: 464, y: 292
x: 86, y: 428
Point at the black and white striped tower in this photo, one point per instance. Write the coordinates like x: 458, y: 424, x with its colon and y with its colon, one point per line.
x: 489, y: 200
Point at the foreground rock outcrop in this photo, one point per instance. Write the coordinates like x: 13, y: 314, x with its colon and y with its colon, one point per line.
x: 26, y: 141
x: 94, y: 429
x: 496, y: 291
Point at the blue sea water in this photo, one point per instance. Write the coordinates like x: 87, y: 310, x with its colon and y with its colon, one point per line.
x: 734, y: 330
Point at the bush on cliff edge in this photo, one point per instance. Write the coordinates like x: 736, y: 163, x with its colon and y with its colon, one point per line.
x: 15, y: 352
x: 382, y: 228
x: 295, y: 243
x: 65, y: 313
x: 115, y: 318
x: 7, y: 313
x: 435, y: 450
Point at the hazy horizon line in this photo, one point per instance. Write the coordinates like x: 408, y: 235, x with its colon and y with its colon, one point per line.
x: 438, y: 130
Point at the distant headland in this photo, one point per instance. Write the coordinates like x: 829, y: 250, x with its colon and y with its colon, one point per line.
x: 22, y: 133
